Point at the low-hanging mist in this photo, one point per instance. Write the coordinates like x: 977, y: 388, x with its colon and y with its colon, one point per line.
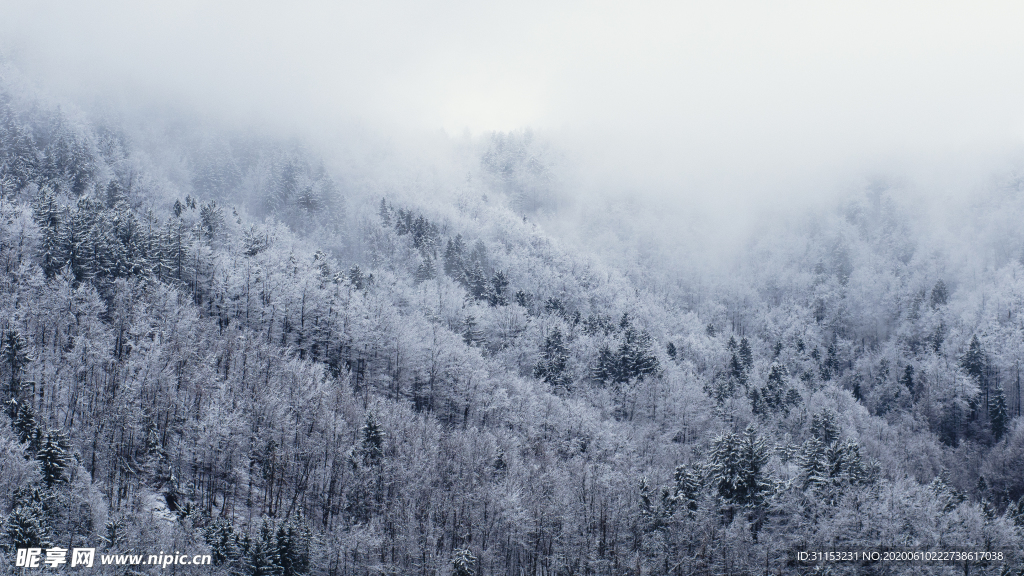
x: 549, y: 289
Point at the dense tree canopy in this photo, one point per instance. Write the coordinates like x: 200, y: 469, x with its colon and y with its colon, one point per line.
x: 244, y: 353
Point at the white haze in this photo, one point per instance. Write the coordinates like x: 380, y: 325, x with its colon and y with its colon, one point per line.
x: 713, y: 113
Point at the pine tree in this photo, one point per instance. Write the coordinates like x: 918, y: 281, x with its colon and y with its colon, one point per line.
x: 25, y: 527
x: 425, y: 271
x: 940, y: 294
x: 53, y: 457
x: 372, y: 441
x: 636, y: 359
x: 477, y: 282
x: 50, y: 217
x: 498, y: 292
x: 998, y: 414
x: 554, y: 361
x: 293, y: 548
x: 385, y: 214
x: 746, y: 356
x: 263, y: 558
x: 221, y: 538
x: 671, y: 350
x: 737, y: 468
x: 453, y: 259
x: 27, y: 427
x: 825, y: 427
x: 471, y: 333
x: 14, y: 353
x: 606, y: 369
x: 907, y: 380
x: 687, y: 488
x: 355, y: 276
x: 775, y: 386
x: 973, y: 363
x: 463, y: 562
x: 211, y: 219
x: 736, y: 370
x: 813, y: 463
x: 830, y: 367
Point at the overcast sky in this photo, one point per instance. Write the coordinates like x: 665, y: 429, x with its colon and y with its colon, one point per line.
x: 706, y: 96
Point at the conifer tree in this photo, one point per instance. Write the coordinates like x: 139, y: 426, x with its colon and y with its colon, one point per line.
x: 940, y: 294
x: 737, y: 371
x: 221, y: 538
x: 554, y: 361
x: 25, y: 527
x: 687, y: 488
x: 463, y: 562
x: 471, y: 333
x: 263, y: 558
x: 746, y: 356
x: 453, y: 259
x: 14, y: 353
x: 355, y: 276
x: 998, y: 414
x: 737, y: 468
x: 27, y: 426
x: 371, y: 448
x: 498, y: 290
x: 53, y: 457
x: 426, y: 270
x: 907, y: 380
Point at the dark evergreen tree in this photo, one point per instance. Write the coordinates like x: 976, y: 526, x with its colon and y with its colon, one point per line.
x: 670, y: 349
x: 15, y: 354
x: 26, y: 425
x: 746, y: 356
x: 736, y: 371
x: 907, y: 380
x: 463, y: 562
x: 498, y: 291
x: 940, y: 294
x: 636, y: 357
x: 454, y: 266
x: 773, y: 397
x: 25, y: 527
x: 737, y: 468
x: 974, y: 364
x: 53, y: 457
x: 426, y: 270
x: 355, y: 276
x: 554, y: 361
x: 477, y: 280
x: 998, y: 415
x: 687, y: 488
x: 471, y: 333
x: 263, y: 558
x: 50, y: 217
x: 825, y: 427
x: 830, y: 367
x: 220, y: 536
x: 606, y: 369
x: 293, y: 549
x: 371, y: 447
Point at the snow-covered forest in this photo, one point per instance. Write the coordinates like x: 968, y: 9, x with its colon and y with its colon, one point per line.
x: 225, y: 342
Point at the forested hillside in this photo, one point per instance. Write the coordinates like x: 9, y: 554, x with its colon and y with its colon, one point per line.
x: 225, y: 348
